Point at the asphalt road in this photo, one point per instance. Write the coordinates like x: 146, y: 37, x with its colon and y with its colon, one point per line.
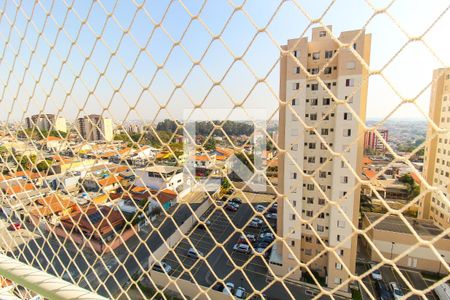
x: 62, y: 258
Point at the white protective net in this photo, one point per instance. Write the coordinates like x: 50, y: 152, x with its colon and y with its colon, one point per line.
x: 202, y: 149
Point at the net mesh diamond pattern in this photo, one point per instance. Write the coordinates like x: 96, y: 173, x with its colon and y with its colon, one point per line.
x: 136, y: 164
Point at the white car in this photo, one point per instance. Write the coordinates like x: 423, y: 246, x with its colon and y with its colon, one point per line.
x: 243, y: 248
x: 256, y: 223
x: 192, y: 253
x: 240, y: 293
x: 398, y: 294
x: 266, y: 235
x: 376, y: 274
x: 260, y: 208
x: 271, y: 216
x: 162, y: 267
x: 229, y: 287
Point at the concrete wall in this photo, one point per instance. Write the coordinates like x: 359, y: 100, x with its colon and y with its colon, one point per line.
x: 177, y: 235
x: 187, y: 288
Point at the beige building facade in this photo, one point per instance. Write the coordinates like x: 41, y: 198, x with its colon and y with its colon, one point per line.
x: 435, y: 205
x: 395, y: 241
x: 46, y: 122
x: 305, y: 217
x: 95, y: 128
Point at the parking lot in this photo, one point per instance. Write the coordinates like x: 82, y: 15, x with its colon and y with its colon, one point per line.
x: 223, y: 262
x: 391, y: 275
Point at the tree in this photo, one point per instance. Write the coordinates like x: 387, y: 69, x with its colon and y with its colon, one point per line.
x: 413, y: 188
x: 210, y: 144
x: 43, y: 165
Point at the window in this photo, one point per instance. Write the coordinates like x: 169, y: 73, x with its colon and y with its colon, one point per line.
x: 327, y: 70
x: 344, y: 179
x: 347, y: 116
x: 296, y: 53
x: 293, y: 217
x: 322, y: 174
x: 337, y: 280
x: 294, y: 147
x: 297, y: 70
x: 324, y: 131
x: 321, y: 216
x: 349, y: 82
x: 294, y: 175
x: 314, y: 87
x: 292, y: 243
x: 312, y: 159
x: 347, y: 132
x: 326, y: 101
x: 309, y: 213
x: 321, y: 201
x: 322, y: 33
x: 341, y: 224
x: 354, y: 46
x: 294, y: 203
x: 310, y: 187
x: 296, y: 86
x: 294, y: 102
x: 338, y: 237
x: 312, y: 145
x: 313, y: 117
x: 328, y: 54
x: 308, y: 251
x: 314, y: 102
x: 320, y: 228
x: 314, y: 71
x: 338, y: 266
x: 341, y: 252
x: 316, y: 55
x: 310, y: 200
x: 308, y: 239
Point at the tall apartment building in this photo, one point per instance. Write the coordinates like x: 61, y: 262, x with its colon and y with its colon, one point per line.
x: 95, y: 128
x: 373, y: 143
x: 46, y: 122
x: 304, y: 98
x: 436, y: 168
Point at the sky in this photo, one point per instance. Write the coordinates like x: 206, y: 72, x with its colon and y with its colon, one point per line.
x: 151, y: 60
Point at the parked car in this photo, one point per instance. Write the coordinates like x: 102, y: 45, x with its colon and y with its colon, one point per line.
x: 231, y: 207
x: 267, y: 235
x: 260, y: 208
x: 193, y: 253
x: 396, y: 291
x: 15, y: 226
x: 218, y: 287
x: 382, y: 290
x: 203, y: 222
x: 256, y: 223
x: 240, y: 293
x: 273, y: 209
x: 229, y: 288
x: 242, y: 248
x: 162, y: 267
x: 271, y: 216
x: 263, y: 245
x: 376, y: 274
x: 236, y: 200
x: 250, y: 237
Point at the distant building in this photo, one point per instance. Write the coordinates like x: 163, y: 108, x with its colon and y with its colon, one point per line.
x: 46, y: 122
x: 436, y: 168
x: 95, y: 128
x: 306, y: 99
x: 393, y: 238
x: 160, y: 177
x: 373, y: 142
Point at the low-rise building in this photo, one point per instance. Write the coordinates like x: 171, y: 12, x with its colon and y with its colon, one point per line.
x: 103, y: 228
x: 160, y: 177
x: 393, y: 238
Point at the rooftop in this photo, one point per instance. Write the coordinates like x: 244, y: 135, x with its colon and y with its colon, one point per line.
x: 394, y: 223
x: 162, y: 169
